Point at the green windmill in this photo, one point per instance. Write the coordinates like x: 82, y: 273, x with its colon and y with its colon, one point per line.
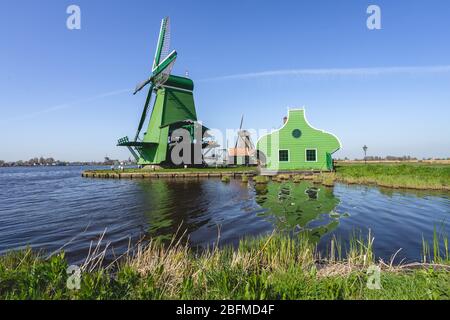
x: 173, y: 108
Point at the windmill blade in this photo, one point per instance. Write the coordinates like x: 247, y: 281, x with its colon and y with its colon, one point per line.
x: 166, y: 41
x: 144, y: 112
x: 240, y: 128
x: 141, y: 85
x: 170, y: 59
x: 163, y: 76
x: 161, y: 73
x: 162, y: 49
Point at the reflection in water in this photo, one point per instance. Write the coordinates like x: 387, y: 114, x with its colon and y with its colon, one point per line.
x: 299, y: 207
x: 174, y: 207
x: 47, y: 208
x: 198, y: 208
x: 185, y: 206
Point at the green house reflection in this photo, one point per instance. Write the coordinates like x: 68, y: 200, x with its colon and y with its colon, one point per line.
x: 299, y: 207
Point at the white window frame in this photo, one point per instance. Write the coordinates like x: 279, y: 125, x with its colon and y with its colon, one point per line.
x: 289, y: 155
x: 309, y: 149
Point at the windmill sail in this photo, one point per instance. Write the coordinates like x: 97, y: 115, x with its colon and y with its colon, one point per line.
x: 163, y: 61
x: 141, y: 85
x: 166, y: 41
x: 162, y: 50
x: 240, y: 130
x: 162, y: 67
x: 166, y: 93
x: 144, y: 112
x: 163, y: 71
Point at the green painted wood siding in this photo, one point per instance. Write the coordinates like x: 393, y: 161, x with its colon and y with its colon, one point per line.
x: 310, y: 138
x: 180, y: 106
x: 171, y: 105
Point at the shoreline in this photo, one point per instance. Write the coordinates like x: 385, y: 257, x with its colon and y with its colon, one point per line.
x: 266, y: 267
x: 394, y: 176
x: 145, y: 174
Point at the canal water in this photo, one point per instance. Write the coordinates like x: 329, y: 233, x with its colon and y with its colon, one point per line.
x: 52, y: 207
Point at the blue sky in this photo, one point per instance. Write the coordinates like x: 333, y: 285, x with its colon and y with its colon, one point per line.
x: 67, y: 94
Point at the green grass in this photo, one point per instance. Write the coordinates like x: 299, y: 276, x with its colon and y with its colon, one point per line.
x: 411, y: 175
x: 419, y: 176
x: 271, y: 267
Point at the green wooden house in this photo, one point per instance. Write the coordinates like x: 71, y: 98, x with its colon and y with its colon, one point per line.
x: 297, y: 146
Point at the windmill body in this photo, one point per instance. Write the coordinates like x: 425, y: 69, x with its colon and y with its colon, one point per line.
x: 173, y: 108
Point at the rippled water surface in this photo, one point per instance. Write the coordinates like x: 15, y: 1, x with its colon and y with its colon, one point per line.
x: 48, y: 208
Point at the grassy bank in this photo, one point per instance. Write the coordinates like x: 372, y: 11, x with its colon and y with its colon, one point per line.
x: 419, y: 176
x: 407, y: 176
x: 273, y: 267
x: 411, y: 176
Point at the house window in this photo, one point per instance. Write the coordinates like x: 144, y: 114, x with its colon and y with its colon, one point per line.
x: 283, y: 155
x: 296, y: 133
x: 311, y: 155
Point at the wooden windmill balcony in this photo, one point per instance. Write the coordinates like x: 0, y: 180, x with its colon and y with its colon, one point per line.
x: 125, y: 142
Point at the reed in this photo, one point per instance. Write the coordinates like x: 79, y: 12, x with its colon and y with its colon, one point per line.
x: 275, y: 266
x: 361, y: 250
x: 438, y: 251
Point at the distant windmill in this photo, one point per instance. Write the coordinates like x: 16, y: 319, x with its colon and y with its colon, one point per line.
x: 244, y: 149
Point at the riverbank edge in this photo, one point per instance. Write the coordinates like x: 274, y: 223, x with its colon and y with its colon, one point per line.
x: 327, y: 179
x: 114, y: 174
x: 267, y: 267
x: 363, y: 182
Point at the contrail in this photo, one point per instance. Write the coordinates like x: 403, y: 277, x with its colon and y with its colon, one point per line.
x: 337, y: 72
x: 71, y: 104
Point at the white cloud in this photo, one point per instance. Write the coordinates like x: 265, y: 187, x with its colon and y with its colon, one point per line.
x: 375, y: 71
x: 70, y: 104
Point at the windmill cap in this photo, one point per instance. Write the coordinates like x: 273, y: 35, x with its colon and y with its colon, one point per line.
x: 180, y: 82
